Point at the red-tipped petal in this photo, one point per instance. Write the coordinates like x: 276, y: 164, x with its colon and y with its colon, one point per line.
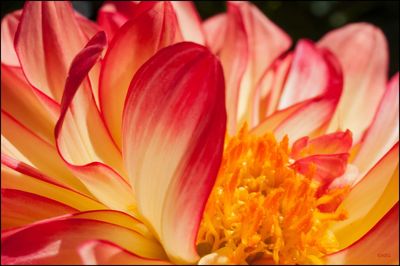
x: 362, y: 51
x: 338, y: 142
x: 57, y: 38
x: 383, y: 133
x: 9, y: 26
x: 13, y: 177
x: 173, y: 126
x: 153, y: 26
x: 379, y: 246
x: 100, y: 252
x: 370, y: 199
x: 56, y: 241
x: 214, y: 30
x: 20, y: 208
x: 82, y: 138
x: 189, y: 21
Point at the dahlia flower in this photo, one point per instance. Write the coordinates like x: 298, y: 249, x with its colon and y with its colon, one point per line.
x: 152, y: 137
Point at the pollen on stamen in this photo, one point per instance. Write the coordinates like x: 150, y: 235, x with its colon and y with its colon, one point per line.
x: 260, y: 209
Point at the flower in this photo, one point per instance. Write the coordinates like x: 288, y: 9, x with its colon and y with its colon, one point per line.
x: 112, y: 142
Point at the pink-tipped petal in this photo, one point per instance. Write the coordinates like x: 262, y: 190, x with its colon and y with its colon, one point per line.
x: 308, y: 76
x: 57, y: 38
x: 20, y: 208
x: 189, y: 21
x: 363, y: 53
x: 379, y: 246
x: 100, y: 252
x: 383, y: 133
x: 152, y: 27
x: 214, y: 30
x: 173, y: 132
x: 83, y: 141
x: 9, y: 26
x: 57, y: 240
x: 370, y: 199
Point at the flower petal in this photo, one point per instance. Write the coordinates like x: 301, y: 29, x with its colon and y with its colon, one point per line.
x: 23, y: 145
x: 379, y: 191
x: 31, y: 107
x: 56, y: 241
x: 9, y: 26
x: 173, y: 128
x: 249, y: 34
x: 57, y: 38
x: 153, y: 26
x: 308, y: 76
x: 33, y: 182
x: 338, y: 142
x: 83, y: 141
x: 100, y: 252
x: 379, y: 246
x: 383, y: 133
x: 189, y: 21
x: 214, y: 29
x: 362, y: 51
x: 21, y: 208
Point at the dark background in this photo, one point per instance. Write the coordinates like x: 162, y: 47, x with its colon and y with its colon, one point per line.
x: 307, y: 19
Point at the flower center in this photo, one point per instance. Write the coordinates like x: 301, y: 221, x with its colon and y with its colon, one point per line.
x: 260, y: 209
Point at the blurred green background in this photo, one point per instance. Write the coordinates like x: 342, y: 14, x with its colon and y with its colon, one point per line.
x: 301, y: 19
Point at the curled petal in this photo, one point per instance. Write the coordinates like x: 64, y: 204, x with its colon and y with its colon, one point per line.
x: 189, y: 21
x: 214, y: 28
x: 173, y: 133
x: 363, y: 53
x: 152, y: 26
x: 82, y: 138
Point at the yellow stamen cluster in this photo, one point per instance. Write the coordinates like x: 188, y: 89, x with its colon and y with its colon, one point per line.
x: 262, y: 210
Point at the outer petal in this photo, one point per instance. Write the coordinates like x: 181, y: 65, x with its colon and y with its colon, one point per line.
x: 100, y: 252
x: 370, y: 199
x: 362, y: 51
x: 13, y: 177
x: 82, y: 139
x: 53, y: 28
x: 153, y: 26
x: 57, y: 240
x: 379, y: 246
x: 21, y: 208
x: 189, y: 21
x: 214, y: 29
x: 384, y: 130
x: 174, y: 126
x: 9, y: 26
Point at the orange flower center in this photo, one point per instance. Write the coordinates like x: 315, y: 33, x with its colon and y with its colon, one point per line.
x: 261, y: 210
